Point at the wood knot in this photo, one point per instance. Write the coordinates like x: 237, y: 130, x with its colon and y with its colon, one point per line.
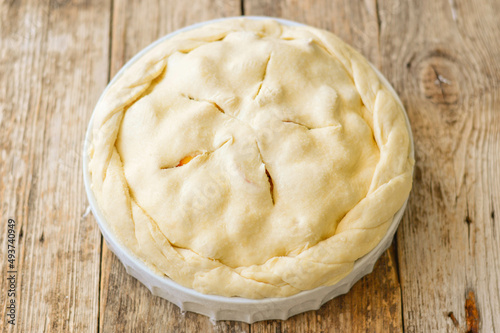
x: 439, y: 84
x: 453, y: 319
x: 471, y: 313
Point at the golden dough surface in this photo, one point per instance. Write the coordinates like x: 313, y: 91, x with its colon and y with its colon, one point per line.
x: 247, y: 158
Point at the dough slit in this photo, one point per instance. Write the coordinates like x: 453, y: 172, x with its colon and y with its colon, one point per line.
x: 263, y: 76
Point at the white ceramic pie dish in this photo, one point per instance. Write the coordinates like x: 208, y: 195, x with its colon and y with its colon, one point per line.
x: 231, y: 308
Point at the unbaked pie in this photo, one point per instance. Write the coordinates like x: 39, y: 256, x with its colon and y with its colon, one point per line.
x: 247, y: 158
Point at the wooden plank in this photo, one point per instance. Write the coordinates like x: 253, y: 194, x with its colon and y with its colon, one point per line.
x: 374, y: 303
x: 53, y: 66
x: 444, y: 60
x: 126, y: 305
x: 356, y: 22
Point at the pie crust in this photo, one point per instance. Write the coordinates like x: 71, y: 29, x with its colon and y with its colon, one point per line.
x: 248, y: 158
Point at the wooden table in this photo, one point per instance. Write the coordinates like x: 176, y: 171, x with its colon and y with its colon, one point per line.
x: 443, y: 57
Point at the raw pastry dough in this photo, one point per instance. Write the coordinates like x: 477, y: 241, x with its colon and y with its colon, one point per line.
x: 247, y: 158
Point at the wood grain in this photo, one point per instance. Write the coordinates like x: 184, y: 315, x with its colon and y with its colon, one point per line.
x: 372, y: 305
x: 445, y: 63
x: 53, y: 67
